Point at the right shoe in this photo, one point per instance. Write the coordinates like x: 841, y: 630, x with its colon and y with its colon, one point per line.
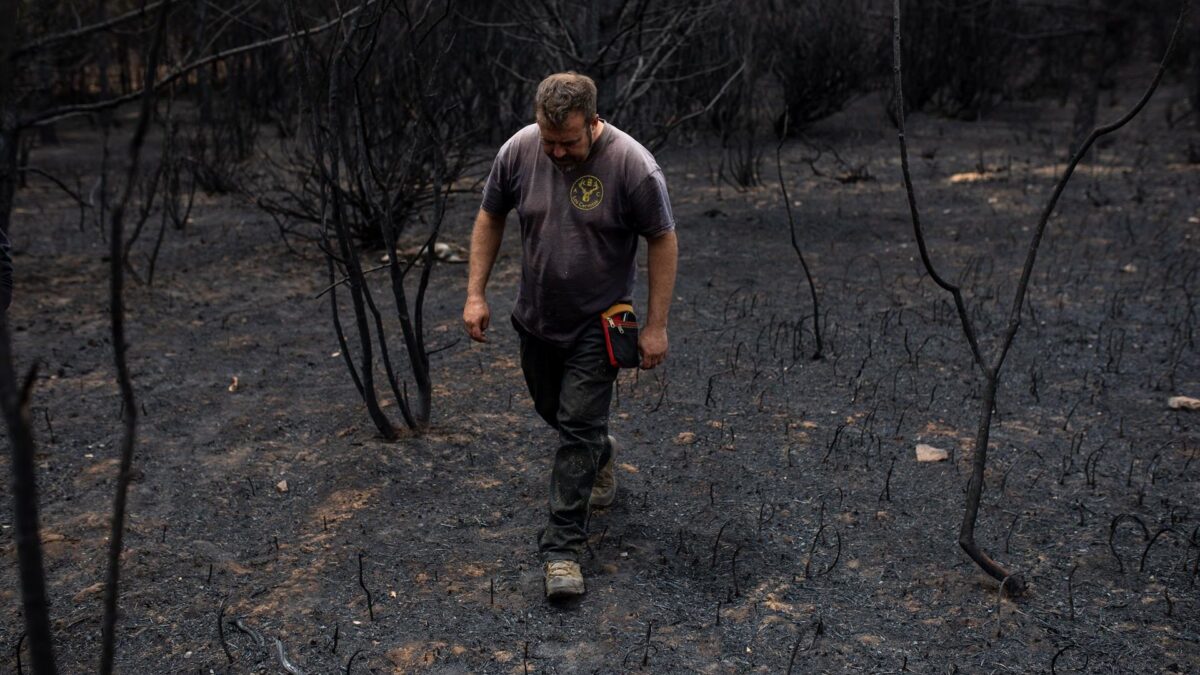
x: 564, y: 580
x: 604, y: 490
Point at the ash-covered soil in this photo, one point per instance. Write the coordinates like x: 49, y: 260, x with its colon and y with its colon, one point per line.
x: 771, y: 511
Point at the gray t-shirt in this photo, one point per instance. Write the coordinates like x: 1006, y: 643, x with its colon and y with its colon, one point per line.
x: 579, y: 228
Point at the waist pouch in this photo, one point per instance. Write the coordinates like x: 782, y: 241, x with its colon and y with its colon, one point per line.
x: 620, y: 326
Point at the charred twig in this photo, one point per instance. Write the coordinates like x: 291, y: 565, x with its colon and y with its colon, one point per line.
x: 787, y: 202
x: 645, y: 647
x: 733, y: 571
x: 1071, y: 590
x: 717, y: 543
x: 999, y: 606
x: 221, y: 630
x: 20, y: 642
x: 1112, y: 531
x: 350, y: 661
x: 812, y: 550
x: 124, y: 381
x: 1011, y: 526
x: 363, y: 585
x: 761, y: 519
x: 1149, y: 544
x: 818, y: 627
x: 240, y: 624
x: 886, y: 495
x: 1057, y: 654
x: 287, y: 665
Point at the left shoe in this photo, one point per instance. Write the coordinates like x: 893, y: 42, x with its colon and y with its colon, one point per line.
x: 564, y: 580
x: 604, y: 490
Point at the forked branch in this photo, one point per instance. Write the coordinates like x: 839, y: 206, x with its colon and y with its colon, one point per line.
x: 991, y: 371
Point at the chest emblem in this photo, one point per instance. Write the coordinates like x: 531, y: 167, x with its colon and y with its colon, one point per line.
x: 586, y: 193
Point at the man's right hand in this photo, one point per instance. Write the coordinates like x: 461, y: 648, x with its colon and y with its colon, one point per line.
x: 476, y: 316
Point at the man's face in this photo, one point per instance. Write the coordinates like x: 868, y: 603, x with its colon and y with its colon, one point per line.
x: 568, y: 145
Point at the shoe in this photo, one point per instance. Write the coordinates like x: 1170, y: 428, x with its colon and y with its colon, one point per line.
x: 604, y: 490
x: 564, y: 580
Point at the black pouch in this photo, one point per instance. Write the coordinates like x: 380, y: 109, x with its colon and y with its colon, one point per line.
x: 620, y: 327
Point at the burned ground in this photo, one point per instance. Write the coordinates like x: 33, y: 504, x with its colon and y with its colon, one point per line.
x: 771, y: 510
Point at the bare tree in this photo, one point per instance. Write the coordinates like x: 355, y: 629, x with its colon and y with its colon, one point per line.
x: 990, y: 369
x: 117, y: 252
x: 383, y: 141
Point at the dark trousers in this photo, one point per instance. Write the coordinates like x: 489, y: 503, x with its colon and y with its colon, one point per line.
x: 572, y: 390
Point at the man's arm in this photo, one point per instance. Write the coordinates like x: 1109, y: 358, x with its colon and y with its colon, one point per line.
x: 485, y: 244
x: 662, y: 259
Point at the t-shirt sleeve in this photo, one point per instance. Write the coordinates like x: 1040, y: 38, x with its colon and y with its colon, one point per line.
x: 499, y: 195
x: 651, y: 210
x: 6, y: 273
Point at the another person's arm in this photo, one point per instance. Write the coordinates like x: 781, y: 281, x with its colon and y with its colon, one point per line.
x: 6, y: 277
x: 485, y: 244
x: 662, y: 259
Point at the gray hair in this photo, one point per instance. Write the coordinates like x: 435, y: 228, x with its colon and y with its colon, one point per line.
x: 561, y: 94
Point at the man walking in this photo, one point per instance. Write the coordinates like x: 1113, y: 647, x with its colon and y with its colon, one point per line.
x: 584, y: 192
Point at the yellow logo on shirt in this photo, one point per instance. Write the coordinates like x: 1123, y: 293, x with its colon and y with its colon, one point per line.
x: 586, y: 193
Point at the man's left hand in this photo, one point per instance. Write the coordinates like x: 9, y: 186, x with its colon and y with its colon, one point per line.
x: 652, y: 345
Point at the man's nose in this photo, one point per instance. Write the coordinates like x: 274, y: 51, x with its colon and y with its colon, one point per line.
x: 559, y: 152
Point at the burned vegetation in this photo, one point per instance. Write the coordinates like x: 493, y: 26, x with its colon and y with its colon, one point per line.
x: 932, y: 396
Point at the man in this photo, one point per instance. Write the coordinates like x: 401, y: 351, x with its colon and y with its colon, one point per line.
x: 584, y: 192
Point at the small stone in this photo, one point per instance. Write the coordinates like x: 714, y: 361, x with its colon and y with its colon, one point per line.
x: 281, y: 486
x: 685, y: 438
x: 94, y: 589
x: 1183, y: 403
x: 928, y: 453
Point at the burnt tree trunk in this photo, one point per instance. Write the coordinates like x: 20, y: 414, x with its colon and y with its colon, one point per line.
x: 14, y: 401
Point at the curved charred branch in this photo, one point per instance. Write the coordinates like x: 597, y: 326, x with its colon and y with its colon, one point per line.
x: 1150, y: 545
x: 1112, y: 533
x: 117, y: 253
x: 808, y: 573
x: 966, y: 533
x: 787, y: 202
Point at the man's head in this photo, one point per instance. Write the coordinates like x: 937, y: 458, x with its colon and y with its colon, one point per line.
x: 565, y: 109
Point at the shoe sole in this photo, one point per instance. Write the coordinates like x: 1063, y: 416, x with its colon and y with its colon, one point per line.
x: 564, y: 592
